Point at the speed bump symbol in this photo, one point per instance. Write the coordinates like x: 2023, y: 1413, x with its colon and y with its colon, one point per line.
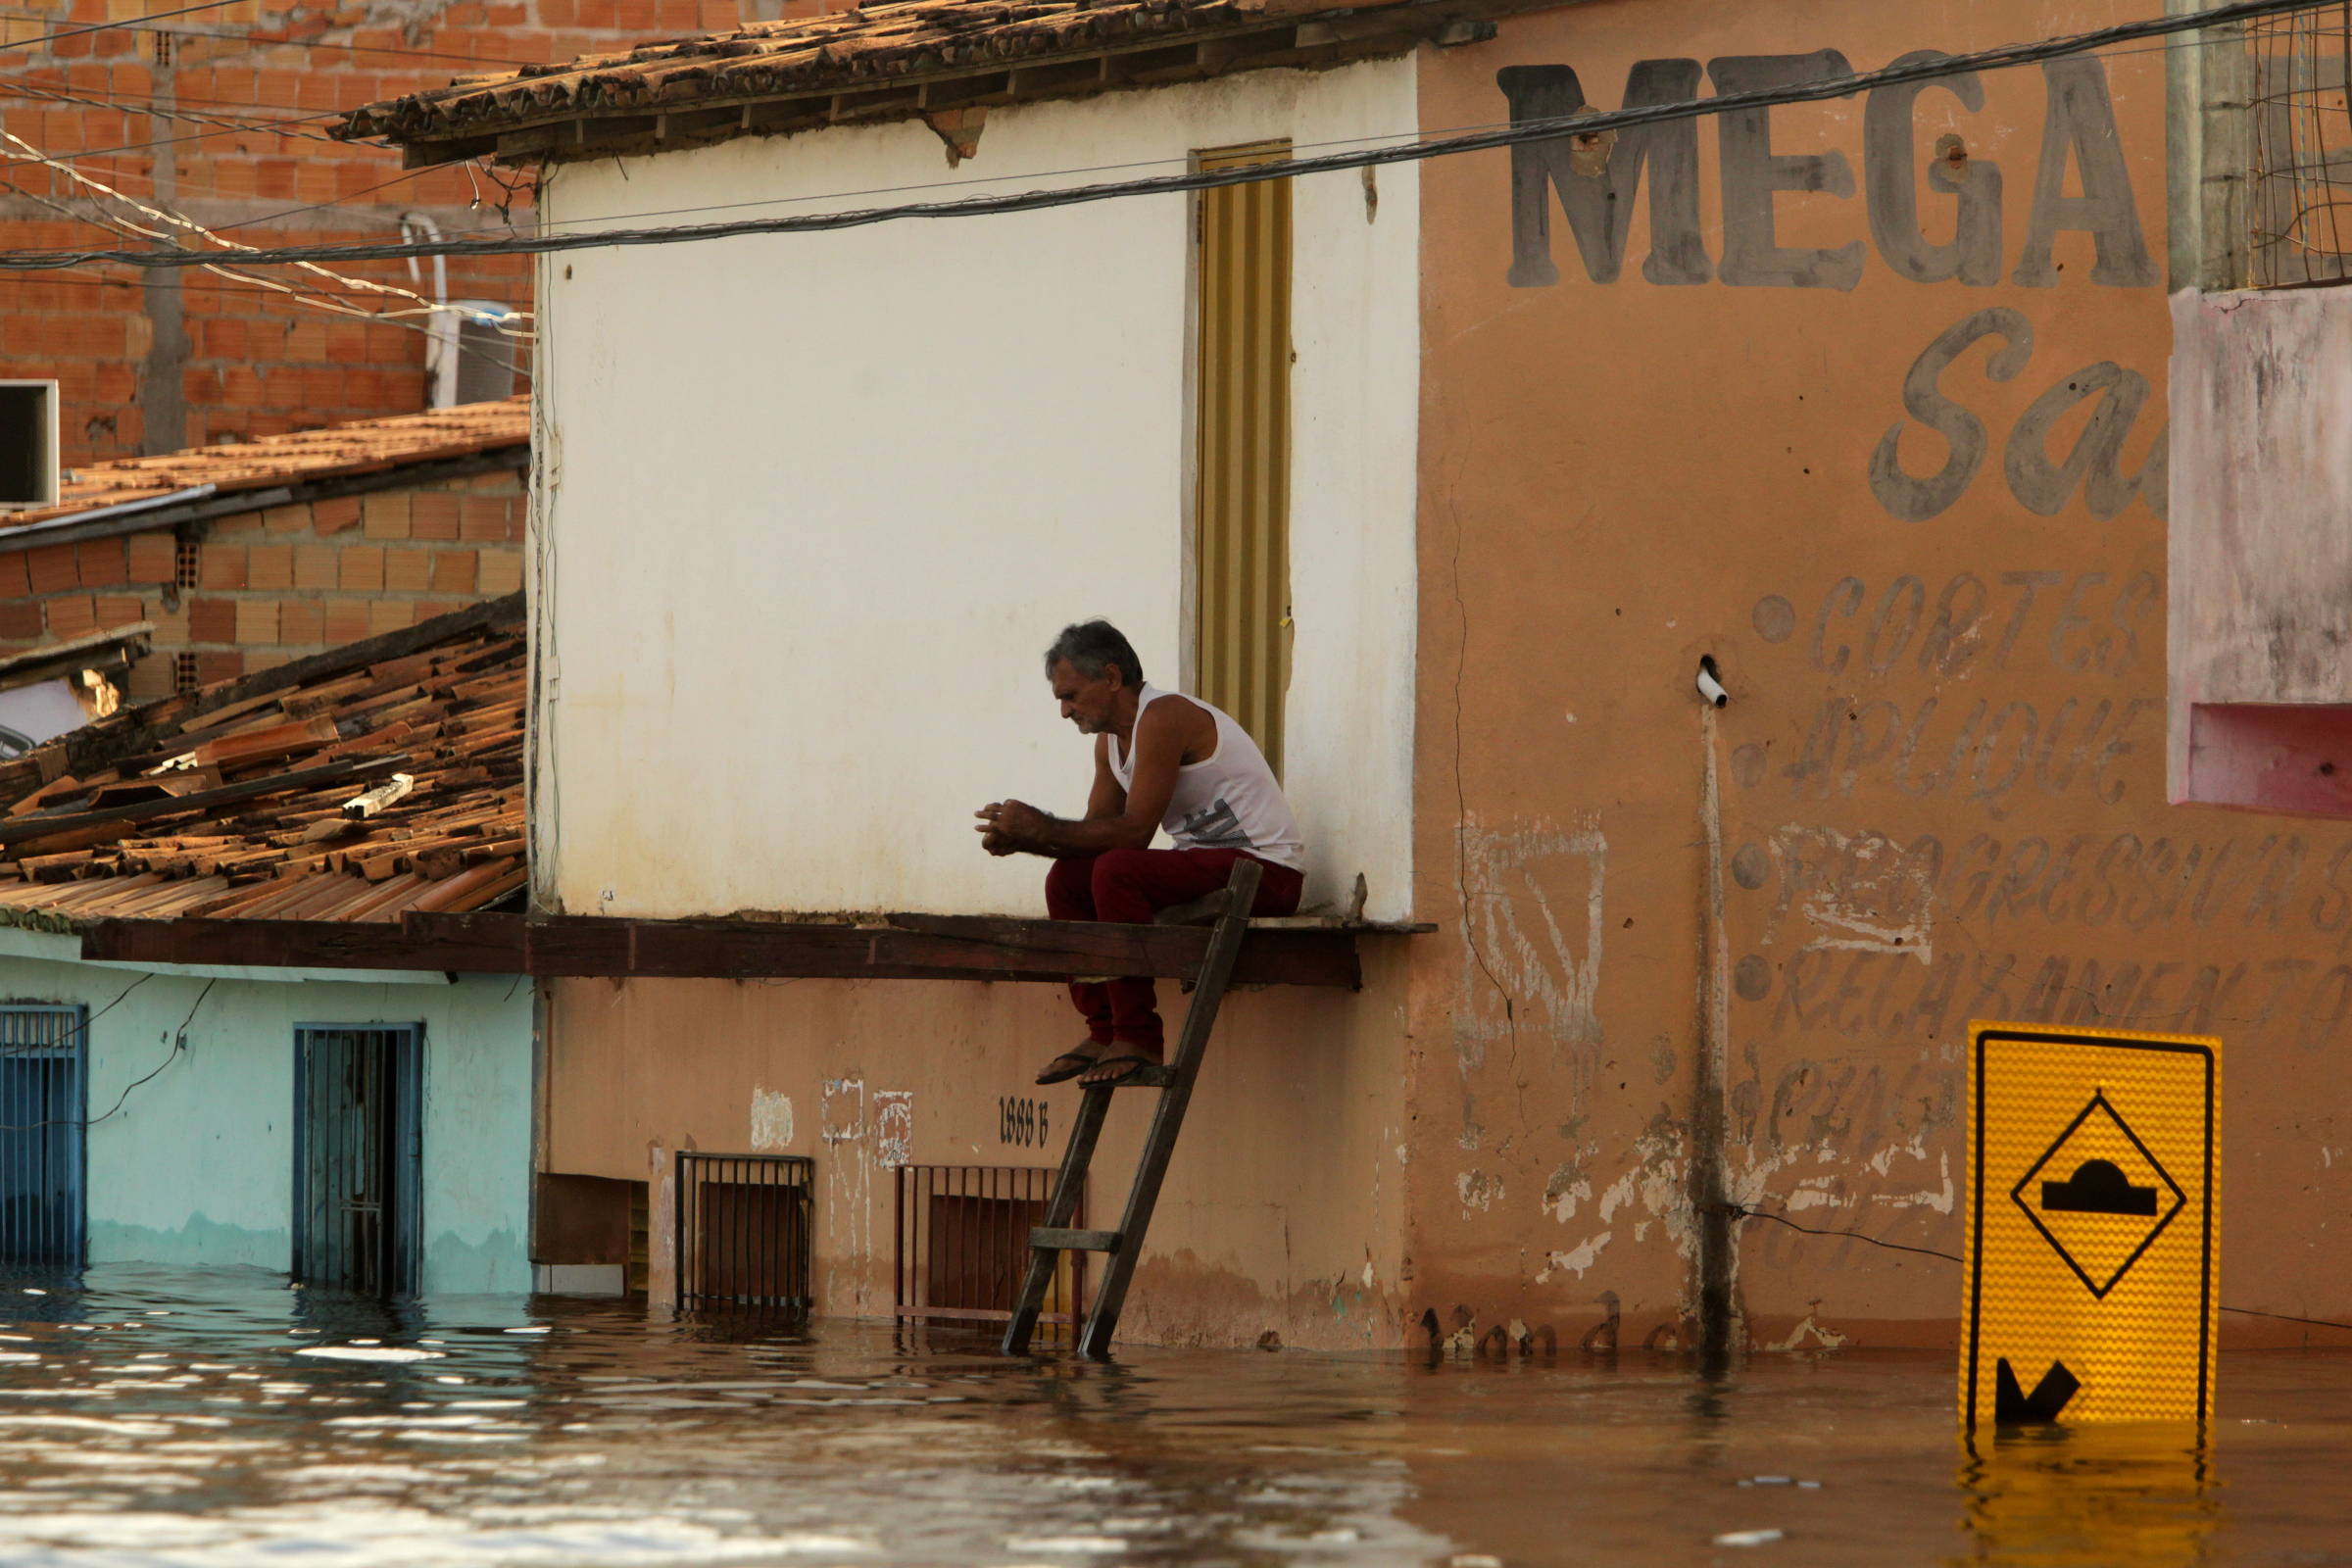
x: 2121, y: 1192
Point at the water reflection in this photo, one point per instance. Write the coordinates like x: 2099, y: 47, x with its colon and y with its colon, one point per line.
x: 155, y: 1417
x: 2103, y: 1496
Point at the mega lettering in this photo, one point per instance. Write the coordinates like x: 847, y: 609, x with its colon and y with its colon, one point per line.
x: 1889, y: 176
x: 1596, y: 176
x: 1754, y: 174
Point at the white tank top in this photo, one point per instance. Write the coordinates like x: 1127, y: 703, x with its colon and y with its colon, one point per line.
x: 1227, y: 800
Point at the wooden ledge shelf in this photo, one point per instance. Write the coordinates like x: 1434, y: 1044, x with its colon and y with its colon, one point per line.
x: 1304, y: 952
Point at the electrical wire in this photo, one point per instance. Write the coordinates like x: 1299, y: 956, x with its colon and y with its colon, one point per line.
x: 276, y: 127
x: 260, y: 42
x: 1743, y: 1211
x: 109, y: 26
x: 82, y: 1029
x: 179, y: 1043
x: 42, y: 93
x: 179, y: 220
x: 203, y: 135
x: 1546, y: 129
x: 1100, y: 169
x: 321, y: 207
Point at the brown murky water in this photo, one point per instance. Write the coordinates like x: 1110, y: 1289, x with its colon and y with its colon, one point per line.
x: 175, y: 1417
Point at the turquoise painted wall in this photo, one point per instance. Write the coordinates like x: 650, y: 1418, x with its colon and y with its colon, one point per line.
x: 197, y: 1166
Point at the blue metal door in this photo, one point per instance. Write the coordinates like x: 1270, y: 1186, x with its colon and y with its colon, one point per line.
x: 359, y: 1157
x: 44, y: 1062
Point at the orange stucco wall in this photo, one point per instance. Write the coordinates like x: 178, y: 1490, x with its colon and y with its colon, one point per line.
x: 1281, y: 1214
x: 1690, y: 954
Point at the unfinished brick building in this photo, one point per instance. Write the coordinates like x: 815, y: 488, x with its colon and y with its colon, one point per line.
x: 244, y: 556
x: 219, y: 117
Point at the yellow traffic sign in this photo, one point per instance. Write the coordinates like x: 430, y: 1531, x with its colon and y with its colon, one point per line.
x: 2093, y: 1227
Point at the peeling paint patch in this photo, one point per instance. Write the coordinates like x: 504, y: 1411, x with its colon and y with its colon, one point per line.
x: 1856, y: 892
x: 1941, y: 1200
x: 1478, y: 1189
x: 1567, y: 1188
x: 894, y: 1127
x: 1825, y: 1339
x: 772, y: 1120
x: 1620, y: 1194
x: 1519, y: 885
x: 1575, y: 1262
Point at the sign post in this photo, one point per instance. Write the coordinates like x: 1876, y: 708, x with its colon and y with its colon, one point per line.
x: 2089, y: 1272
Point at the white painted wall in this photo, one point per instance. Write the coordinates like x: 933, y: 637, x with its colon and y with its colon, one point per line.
x: 42, y: 710
x: 813, y: 505
x: 197, y: 1167
x: 2261, y: 483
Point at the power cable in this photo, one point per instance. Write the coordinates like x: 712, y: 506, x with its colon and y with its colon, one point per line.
x: 109, y: 26
x: 1545, y: 129
x: 179, y: 1043
x: 82, y: 1029
x: 211, y: 263
x: 262, y: 42
x: 321, y: 207
x: 46, y: 94
x: 1743, y: 1211
x: 1100, y: 169
x: 276, y: 127
x: 204, y: 136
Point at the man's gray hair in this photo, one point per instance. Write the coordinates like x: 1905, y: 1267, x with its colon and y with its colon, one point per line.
x: 1093, y: 646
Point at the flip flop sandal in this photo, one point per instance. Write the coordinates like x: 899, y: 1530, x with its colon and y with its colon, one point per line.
x: 1055, y: 1073
x: 1140, y: 1061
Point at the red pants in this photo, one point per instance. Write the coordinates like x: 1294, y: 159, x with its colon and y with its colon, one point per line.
x: 1131, y: 886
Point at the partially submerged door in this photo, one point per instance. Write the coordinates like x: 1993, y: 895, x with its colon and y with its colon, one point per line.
x: 358, y: 1155
x: 44, y: 1059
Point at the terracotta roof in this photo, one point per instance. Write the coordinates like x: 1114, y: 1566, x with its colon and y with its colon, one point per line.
x: 364, y: 446
x: 282, y: 795
x: 1030, y: 48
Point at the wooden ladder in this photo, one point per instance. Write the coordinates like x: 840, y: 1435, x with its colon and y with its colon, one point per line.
x: 1048, y: 1241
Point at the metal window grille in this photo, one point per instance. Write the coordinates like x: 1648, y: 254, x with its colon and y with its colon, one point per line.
x: 743, y: 1231
x: 359, y: 1096
x: 964, y: 1243
x: 1242, y: 496
x: 44, y: 1078
x: 2301, y: 205
x: 184, y: 672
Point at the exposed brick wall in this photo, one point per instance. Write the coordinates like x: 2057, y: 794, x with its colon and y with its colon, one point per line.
x: 153, y: 368
x: 275, y: 585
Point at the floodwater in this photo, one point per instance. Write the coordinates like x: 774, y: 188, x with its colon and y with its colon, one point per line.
x: 152, y: 1416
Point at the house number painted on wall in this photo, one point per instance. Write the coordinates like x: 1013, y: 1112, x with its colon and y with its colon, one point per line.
x: 1021, y: 1121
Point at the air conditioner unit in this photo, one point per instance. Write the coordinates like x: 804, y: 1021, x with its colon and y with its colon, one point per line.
x: 485, y: 355
x: 28, y: 444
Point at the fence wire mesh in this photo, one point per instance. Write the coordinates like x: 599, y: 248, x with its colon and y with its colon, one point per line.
x: 2302, y: 147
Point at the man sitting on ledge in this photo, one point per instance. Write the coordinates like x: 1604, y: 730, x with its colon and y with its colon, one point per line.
x: 1161, y: 761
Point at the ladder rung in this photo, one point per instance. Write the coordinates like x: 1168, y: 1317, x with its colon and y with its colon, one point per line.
x: 1054, y: 1238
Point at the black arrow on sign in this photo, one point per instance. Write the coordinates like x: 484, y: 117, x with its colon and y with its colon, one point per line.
x: 2011, y: 1406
